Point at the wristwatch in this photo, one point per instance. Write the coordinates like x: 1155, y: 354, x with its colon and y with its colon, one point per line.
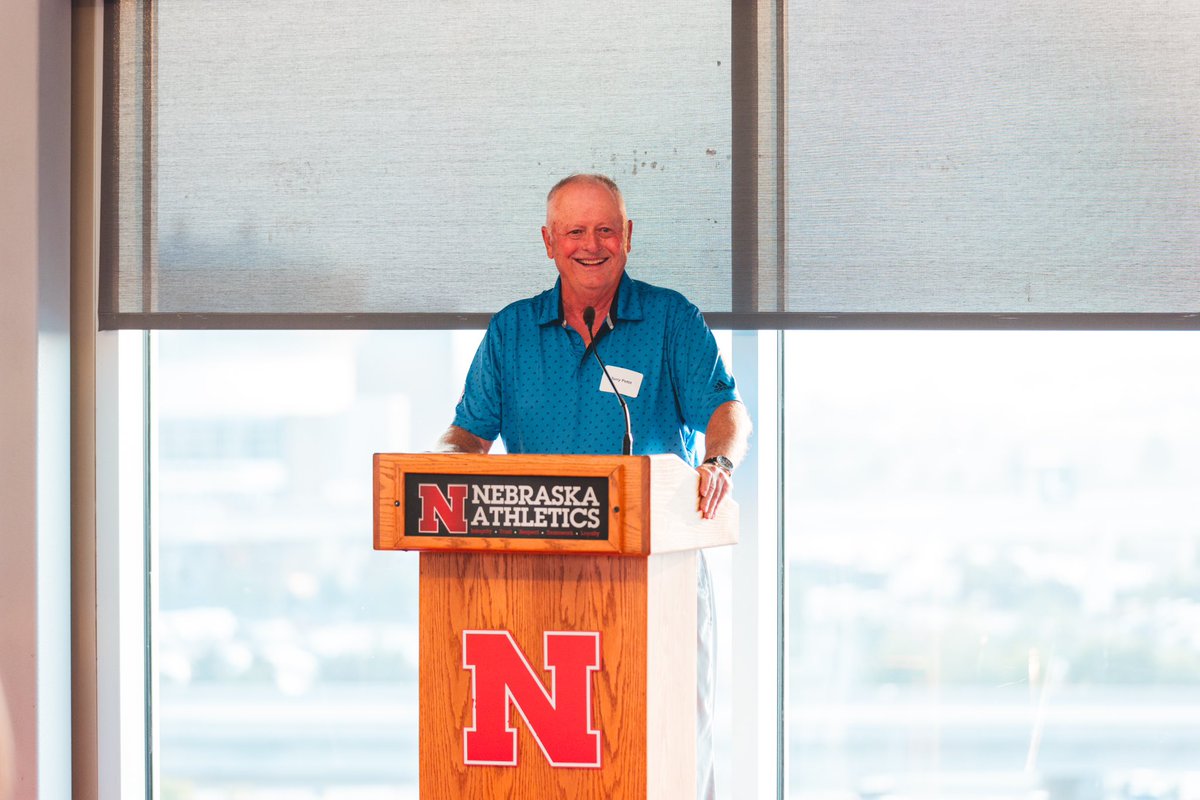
x: 722, y: 463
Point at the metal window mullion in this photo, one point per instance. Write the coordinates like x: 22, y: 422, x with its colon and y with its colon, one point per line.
x: 744, y: 213
x: 781, y: 566
x: 148, y: 84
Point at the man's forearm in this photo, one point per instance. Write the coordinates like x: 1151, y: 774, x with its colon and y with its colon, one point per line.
x: 728, y: 435
x: 459, y: 440
x: 728, y: 432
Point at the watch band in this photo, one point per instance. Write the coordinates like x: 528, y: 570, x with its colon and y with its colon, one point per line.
x: 721, y: 462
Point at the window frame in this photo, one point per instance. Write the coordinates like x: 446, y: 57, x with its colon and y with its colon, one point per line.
x: 122, y: 741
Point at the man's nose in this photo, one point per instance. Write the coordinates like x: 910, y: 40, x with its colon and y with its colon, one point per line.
x: 591, y: 241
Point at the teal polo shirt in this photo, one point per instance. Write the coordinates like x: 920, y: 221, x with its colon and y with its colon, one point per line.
x: 534, y: 384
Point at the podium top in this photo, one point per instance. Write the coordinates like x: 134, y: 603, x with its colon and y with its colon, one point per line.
x: 614, y: 505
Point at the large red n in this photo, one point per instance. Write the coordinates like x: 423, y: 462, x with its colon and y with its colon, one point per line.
x: 560, y: 720
x: 434, y: 505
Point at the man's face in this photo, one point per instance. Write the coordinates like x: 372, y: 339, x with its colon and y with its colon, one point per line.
x: 589, y: 238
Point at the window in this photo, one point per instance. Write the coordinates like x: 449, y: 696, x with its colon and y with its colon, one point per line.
x: 992, y: 562
x: 285, y: 647
x: 988, y: 537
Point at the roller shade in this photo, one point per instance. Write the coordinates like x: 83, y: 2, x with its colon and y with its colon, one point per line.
x: 890, y: 163
x: 366, y: 158
x: 1007, y: 157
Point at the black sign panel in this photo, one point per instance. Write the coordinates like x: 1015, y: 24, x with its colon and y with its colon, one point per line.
x: 505, y: 506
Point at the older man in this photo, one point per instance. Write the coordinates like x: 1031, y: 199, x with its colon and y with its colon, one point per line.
x: 535, y: 384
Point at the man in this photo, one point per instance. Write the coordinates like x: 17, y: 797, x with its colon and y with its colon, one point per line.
x: 535, y: 383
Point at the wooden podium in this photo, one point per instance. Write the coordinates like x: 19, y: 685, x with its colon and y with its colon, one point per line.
x: 558, y: 620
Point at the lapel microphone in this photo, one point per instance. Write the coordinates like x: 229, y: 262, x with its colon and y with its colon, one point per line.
x: 589, y: 316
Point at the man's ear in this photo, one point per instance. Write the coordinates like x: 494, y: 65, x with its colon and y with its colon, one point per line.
x: 548, y: 240
x: 628, y: 235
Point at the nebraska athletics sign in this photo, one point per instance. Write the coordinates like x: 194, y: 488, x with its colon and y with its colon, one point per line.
x: 505, y: 506
x: 559, y: 718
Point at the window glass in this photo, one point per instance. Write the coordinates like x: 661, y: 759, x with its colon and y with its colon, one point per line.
x: 720, y: 567
x: 285, y: 646
x: 993, y: 556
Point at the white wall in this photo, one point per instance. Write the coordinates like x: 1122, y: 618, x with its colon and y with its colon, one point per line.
x: 35, y: 61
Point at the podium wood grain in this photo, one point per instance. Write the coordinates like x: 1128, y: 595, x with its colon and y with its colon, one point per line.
x: 627, y: 601
x: 642, y: 602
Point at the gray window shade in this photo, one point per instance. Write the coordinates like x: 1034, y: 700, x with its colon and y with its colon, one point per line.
x: 1014, y: 156
x: 361, y: 164
x: 367, y: 158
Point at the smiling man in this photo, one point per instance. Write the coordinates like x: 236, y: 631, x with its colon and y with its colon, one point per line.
x: 535, y: 384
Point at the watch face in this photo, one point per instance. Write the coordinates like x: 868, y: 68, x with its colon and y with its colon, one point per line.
x: 722, y: 462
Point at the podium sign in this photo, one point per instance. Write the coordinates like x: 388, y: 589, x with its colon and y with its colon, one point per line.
x: 505, y: 506
x: 558, y: 620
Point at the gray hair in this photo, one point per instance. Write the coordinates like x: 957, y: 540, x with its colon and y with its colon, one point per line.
x: 592, y: 178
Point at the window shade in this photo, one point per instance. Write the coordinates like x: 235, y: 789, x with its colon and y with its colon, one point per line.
x: 365, y: 164
x: 1007, y: 157
x: 362, y: 158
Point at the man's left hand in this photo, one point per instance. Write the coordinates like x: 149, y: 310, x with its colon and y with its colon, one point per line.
x: 715, y: 485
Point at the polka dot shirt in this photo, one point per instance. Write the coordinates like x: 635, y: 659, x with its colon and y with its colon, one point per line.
x: 534, y: 384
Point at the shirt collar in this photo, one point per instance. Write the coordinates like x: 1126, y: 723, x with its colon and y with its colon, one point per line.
x: 628, y: 303
x: 629, y: 299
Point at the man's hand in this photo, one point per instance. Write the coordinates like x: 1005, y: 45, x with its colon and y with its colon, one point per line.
x: 715, y: 485
x: 458, y: 440
x: 727, y: 436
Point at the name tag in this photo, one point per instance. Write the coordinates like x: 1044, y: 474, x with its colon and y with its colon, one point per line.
x: 628, y: 381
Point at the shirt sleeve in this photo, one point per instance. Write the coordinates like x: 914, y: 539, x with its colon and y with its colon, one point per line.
x: 479, y: 409
x: 702, y: 383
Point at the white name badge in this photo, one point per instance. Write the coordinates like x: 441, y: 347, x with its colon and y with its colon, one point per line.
x: 628, y: 381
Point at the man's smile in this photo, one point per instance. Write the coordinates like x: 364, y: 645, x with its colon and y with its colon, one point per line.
x: 591, y: 262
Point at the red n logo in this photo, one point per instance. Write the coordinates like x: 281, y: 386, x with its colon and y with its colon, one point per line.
x: 435, y: 505
x: 560, y: 720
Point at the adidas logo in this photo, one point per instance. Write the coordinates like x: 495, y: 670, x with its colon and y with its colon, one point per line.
x: 721, y: 386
